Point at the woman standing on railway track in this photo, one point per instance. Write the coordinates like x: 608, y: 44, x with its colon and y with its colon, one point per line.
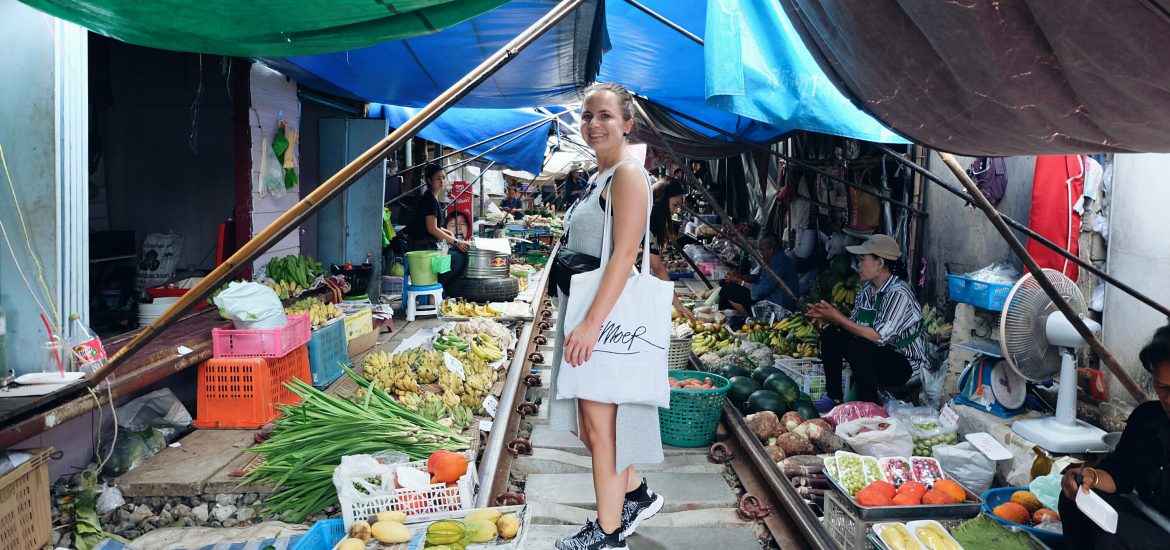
x: 617, y: 436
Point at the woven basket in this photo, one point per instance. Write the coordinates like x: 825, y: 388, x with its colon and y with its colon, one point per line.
x: 679, y: 354
x: 693, y: 416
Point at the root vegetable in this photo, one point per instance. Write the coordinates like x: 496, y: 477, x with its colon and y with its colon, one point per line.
x: 805, y: 428
x: 764, y: 424
x: 801, y: 465
x: 791, y: 420
x: 811, y: 480
x: 829, y: 442
x: 775, y: 453
x: 794, y: 444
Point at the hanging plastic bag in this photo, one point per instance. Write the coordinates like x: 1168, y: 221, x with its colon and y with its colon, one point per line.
x: 877, y: 437
x: 967, y: 465
x: 271, y: 172
x: 932, y: 385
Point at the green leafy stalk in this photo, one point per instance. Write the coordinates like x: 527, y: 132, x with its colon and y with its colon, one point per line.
x: 312, y: 436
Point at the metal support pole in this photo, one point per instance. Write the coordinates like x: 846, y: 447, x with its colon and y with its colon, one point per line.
x: 970, y: 198
x: 693, y: 180
x: 997, y: 220
x: 662, y: 19
x: 333, y: 187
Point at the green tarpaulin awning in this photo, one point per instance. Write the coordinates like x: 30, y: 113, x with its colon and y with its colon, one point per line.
x: 255, y: 28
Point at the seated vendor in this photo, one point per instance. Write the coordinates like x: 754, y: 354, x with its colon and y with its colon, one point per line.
x: 740, y: 293
x: 882, y: 339
x: 1139, y: 467
x: 428, y: 227
x: 513, y: 204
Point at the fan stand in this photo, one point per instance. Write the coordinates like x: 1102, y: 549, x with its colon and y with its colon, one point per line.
x: 1063, y: 433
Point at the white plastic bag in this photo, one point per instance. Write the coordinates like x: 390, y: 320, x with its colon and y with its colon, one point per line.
x: 251, y: 306
x: 967, y: 465
x: 109, y: 500
x: 360, y: 477
x: 271, y: 172
x: 159, y: 408
x: 877, y: 437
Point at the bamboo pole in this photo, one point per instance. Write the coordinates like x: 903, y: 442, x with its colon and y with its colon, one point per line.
x: 1097, y: 346
x: 727, y: 223
x: 969, y: 197
x: 333, y: 187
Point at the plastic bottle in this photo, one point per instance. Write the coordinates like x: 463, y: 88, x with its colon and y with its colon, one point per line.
x: 369, y: 259
x: 86, y: 345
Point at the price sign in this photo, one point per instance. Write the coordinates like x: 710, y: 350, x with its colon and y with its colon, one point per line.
x: 490, y: 404
x: 454, y: 365
x: 485, y: 426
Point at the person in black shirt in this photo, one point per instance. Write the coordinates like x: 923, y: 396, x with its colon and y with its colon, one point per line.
x: 428, y: 227
x: 668, y: 199
x: 1139, y: 468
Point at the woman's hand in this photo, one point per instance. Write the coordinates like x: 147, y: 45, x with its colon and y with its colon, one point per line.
x: 825, y: 311
x: 686, y: 312
x: 461, y: 245
x: 578, y: 347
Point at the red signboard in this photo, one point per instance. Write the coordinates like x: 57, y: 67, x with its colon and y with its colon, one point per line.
x: 459, y: 210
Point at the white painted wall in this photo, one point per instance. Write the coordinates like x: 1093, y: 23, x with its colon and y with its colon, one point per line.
x: 273, y: 96
x: 43, y: 123
x: 1139, y: 255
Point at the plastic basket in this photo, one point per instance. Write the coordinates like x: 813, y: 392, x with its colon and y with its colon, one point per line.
x: 995, y: 497
x: 324, y: 535
x: 989, y: 296
x: 421, y: 505
x: 693, y: 415
x: 808, y: 374
x: 328, y: 350
x: 848, y: 530
x: 441, y: 264
x: 359, y: 323
x: 244, y: 392
x: 269, y: 342
x: 25, y: 515
x: 679, y: 353
x: 392, y: 286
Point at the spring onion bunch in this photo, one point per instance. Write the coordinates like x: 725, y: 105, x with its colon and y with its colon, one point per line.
x: 312, y: 436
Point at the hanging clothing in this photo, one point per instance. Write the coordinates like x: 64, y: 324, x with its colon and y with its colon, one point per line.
x: 1056, y: 189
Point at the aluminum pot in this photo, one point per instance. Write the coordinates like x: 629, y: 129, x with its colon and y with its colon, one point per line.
x: 487, y: 264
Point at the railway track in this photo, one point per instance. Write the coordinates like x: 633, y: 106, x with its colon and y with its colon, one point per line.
x: 764, y: 503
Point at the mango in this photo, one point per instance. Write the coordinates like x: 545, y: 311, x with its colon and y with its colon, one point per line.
x: 351, y: 544
x: 508, y: 526
x: 489, y: 514
x: 481, y: 530
x: 399, y: 517
x: 391, y: 532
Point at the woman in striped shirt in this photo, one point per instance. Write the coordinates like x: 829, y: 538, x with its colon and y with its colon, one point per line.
x: 882, y: 339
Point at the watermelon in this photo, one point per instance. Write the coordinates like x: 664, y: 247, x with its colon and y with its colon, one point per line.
x: 764, y: 400
x: 741, y: 388
x: 731, y: 371
x: 806, y: 409
x: 762, y: 373
x: 784, y: 386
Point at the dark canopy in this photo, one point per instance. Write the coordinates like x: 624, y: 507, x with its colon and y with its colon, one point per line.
x: 1001, y: 78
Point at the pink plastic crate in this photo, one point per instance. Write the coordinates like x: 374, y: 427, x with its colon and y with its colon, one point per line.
x: 271, y: 342
x: 708, y: 267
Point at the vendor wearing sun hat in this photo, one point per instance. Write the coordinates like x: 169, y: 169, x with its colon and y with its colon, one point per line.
x: 882, y: 338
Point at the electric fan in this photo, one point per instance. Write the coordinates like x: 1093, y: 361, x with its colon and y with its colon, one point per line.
x: 1039, y: 343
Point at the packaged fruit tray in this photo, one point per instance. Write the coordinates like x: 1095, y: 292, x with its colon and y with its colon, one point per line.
x: 418, y: 532
x: 856, y: 470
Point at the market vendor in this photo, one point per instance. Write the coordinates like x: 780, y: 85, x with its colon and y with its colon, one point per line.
x: 668, y: 199
x: 427, y: 230
x: 882, y: 339
x: 513, y: 204
x: 1138, y: 469
x: 740, y: 293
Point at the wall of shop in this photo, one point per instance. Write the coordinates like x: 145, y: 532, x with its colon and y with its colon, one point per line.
x: 164, y: 121
x: 962, y: 234
x: 1139, y: 255
x: 274, y: 98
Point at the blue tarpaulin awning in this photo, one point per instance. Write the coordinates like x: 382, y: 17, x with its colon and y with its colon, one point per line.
x: 460, y: 127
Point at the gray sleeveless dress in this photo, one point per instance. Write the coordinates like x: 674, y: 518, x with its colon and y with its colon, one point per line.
x: 638, y: 437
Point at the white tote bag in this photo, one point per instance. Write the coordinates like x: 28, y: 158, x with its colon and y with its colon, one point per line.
x: 628, y: 364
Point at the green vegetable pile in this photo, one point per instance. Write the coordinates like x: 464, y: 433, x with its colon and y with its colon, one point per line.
x: 312, y: 436
x: 985, y: 532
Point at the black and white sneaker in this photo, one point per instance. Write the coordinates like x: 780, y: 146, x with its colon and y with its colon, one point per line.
x: 639, y: 508
x: 591, y: 537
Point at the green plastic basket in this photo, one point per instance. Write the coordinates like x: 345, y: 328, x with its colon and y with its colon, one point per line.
x: 693, y: 416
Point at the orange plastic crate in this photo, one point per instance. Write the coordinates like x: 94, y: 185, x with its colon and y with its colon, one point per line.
x: 244, y: 392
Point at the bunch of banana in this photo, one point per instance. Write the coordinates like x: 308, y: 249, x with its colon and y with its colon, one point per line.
x: 844, y: 295
x: 460, y: 308
x: 449, y: 342
x: 485, y: 347
x: 427, y: 369
x: 297, y: 269
x: 463, y: 416
x: 411, y: 401
x: 795, y: 336
x: 708, y: 342
x: 284, y: 289
x: 319, y: 312
x: 433, y: 410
